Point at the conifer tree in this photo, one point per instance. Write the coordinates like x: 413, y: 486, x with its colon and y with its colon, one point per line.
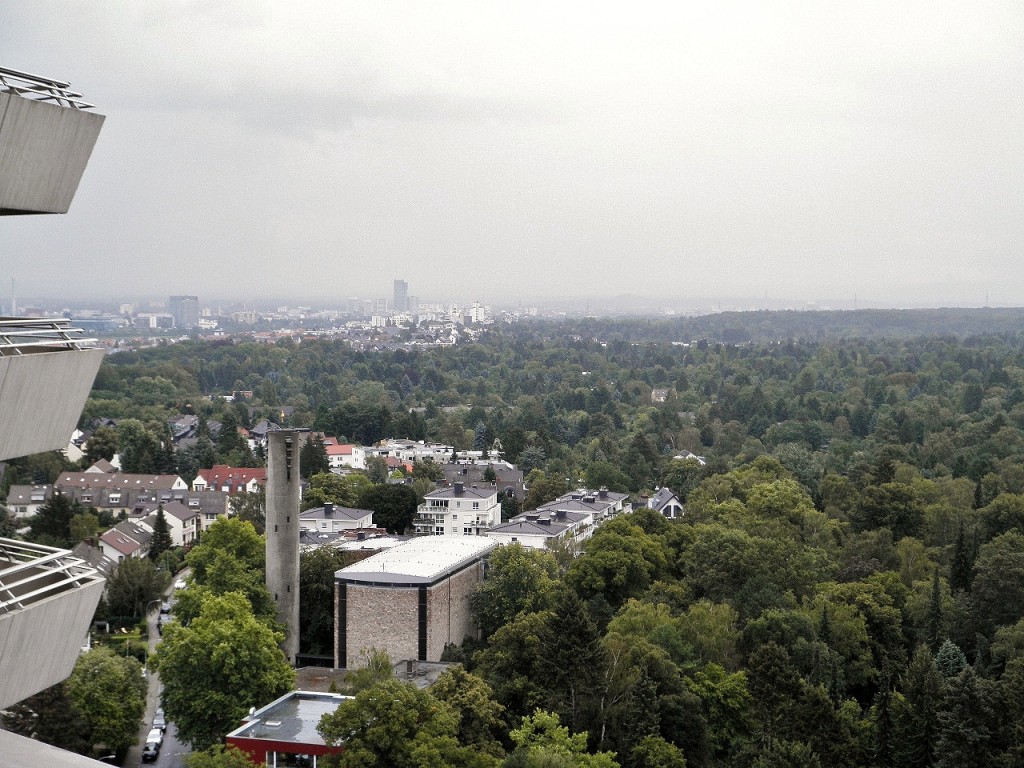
x: 964, y: 724
x: 960, y: 567
x: 161, y: 540
x: 571, y: 659
x: 917, y: 720
x: 933, y: 620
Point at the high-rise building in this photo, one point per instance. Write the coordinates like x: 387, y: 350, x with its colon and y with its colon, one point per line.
x: 401, y: 303
x: 184, y: 310
x: 47, y: 595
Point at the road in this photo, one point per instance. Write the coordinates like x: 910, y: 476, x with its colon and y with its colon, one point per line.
x: 172, y: 754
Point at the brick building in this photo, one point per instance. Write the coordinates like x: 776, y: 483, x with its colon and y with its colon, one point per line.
x: 410, y: 600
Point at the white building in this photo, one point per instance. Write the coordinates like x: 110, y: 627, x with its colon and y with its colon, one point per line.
x: 458, y: 511
x: 537, y: 531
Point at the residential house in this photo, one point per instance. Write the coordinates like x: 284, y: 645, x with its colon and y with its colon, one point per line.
x: 331, y: 519
x: 183, y: 522
x: 342, y: 456
x: 600, y: 505
x: 126, y: 539
x: 25, y: 500
x: 667, y: 503
x: 231, y: 480
x: 507, y: 478
x: 536, y: 530
x: 459, y: 510
x: 118, y: 492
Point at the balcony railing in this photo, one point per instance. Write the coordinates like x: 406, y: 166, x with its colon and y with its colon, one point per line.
x: 41, y: 89
x: 30, y: 573
x: 19, y: 335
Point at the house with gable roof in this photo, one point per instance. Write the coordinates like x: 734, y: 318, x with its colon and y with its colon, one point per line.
x: 536, y: 530
x: 667, y: 503
x: 126, y: 539
x: 231, y: 480
x: 118, y: 492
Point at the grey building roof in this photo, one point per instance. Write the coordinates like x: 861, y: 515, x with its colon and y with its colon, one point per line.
x: 94, y: 556
x: 661, y: 498
x: 461, y: 491
x: 334, y: 512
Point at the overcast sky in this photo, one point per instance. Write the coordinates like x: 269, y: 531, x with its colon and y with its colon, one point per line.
x: 809, y: 151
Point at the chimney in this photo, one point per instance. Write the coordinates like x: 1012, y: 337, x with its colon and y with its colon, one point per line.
x: 545, y: 521
x: 328, y: 509
x: 532, y: 516
x: 560, y: 514
x: 603, y: 493
x: 459, y: 488
x: 361, y: 536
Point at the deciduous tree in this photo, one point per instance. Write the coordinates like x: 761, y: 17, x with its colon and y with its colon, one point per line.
x: 213, y: 670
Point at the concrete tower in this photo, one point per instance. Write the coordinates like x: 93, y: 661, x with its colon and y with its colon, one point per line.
x: 283, y: 532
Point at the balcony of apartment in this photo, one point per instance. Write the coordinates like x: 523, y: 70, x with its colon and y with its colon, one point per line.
x: 47, y: 600
x: 46, y: 373
x: 47, y: 134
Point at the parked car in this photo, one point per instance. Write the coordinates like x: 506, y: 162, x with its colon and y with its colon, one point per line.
x: 165, y: 607
x: 150, y: 752
x: 180, y: 584
x: 157, y: 736
x: 159, y: 721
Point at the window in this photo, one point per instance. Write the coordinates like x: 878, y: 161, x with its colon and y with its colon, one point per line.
x: 467, y: 531
x: 439, y: 531
x: 476, y: 505
x: 455, y: 517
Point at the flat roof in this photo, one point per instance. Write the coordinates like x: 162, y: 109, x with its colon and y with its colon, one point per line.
x: 293, y: 718
x: 423, y: 560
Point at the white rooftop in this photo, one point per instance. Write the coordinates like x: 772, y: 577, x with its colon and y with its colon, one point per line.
x: 419, y: 561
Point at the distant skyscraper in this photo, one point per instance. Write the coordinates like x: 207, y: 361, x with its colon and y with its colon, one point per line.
x: 401, y: 296
x: 184, y: 310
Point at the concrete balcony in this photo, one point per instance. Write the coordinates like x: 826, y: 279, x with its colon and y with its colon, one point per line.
x: 47, y: 600
x: 46, y: 138
x: 46, y: 374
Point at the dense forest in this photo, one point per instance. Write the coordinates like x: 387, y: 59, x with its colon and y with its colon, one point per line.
x: 846, y: 587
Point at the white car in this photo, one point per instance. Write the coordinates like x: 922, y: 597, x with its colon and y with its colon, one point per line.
x: 180, y: 584
x: 156, y: 735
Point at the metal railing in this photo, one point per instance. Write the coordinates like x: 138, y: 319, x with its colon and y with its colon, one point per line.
x: 41, y: 88
x: 30, y: 573
x: 19, y: 335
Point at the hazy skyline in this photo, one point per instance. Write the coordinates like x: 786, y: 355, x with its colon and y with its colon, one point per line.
x: 801, y: 151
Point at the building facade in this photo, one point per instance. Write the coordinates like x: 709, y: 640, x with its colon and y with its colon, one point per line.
x: 411, y: 600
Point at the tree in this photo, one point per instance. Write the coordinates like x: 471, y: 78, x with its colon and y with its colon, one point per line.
x: 49, y: 717
x: 998, y: 587
x: 313, y: 458
x: 316, y: 597
x: 394, y: 506
x: 161, y: 540
x: 960, y: 566
x: 518, y: 580
x: 542, y: 741
x: 219, y: 756
x: 134, y: 584
x: 481, y: 721
x: 251, y: 508
x: 917, y: 712
x: 84, y: 525
x: 52, y: 524
x: 396, y: 724
x: 543, y: 488
x: 141, y: 450
x: 377, y: 469
x: 213, y: 670
x: 229, y: 558
x: 102, y: 444
x: 655, y: 752
x: 343, y: 490
x: 570, y: 658
x: 109, y: 692
x: 964, y: 719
